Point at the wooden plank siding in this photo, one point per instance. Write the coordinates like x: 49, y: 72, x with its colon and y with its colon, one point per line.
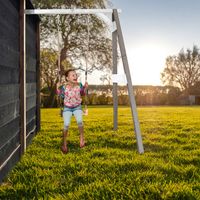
x: 9, y: 85
x: 38, y: 74
x: 31, y: 98
x: 10, y: 115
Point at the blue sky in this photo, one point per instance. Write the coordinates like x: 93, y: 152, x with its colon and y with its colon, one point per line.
x: 155, y: 29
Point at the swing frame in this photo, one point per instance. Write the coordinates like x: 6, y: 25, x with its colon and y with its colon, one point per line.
x: 117, y: 37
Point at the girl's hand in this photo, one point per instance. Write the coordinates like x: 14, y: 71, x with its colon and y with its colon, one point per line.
x: 86, y: 85
x: 58, y: 84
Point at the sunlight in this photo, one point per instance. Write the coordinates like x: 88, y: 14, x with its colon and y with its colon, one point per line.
x: 146, y: 63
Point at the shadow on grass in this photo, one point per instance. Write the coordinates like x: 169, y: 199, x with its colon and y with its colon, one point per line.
x: 110, y: 143
x: 150, y: 147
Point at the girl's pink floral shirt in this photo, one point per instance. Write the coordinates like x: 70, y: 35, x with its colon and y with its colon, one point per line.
x: 71, y: 94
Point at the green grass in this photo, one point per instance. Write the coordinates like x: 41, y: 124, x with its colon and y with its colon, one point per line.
x: 109, y: 167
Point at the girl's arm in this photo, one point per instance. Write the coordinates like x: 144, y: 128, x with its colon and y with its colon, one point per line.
x: 60, y: 90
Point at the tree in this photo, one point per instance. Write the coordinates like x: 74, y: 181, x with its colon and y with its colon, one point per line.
x: 183, y: 70
x: 73, y: 33
x: 195, y: 90
x: 173, y: 94
x: 49, y: 75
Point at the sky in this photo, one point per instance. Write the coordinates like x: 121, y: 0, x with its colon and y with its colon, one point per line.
x: 153, y: 30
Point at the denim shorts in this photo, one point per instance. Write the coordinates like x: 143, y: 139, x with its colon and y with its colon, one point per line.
x: 67, y: 114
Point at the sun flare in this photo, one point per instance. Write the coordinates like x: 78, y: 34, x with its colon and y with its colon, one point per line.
x: 146, y: 63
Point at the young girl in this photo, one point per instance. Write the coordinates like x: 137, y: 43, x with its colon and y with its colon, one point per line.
x: 72, y: 92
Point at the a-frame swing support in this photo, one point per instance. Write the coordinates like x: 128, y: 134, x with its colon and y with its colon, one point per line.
x: 116, y: 37
x: 129, y: 81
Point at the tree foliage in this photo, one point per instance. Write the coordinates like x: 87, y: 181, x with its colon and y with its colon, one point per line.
x: 183, y: 70
x: 49, y: 70
x: 49, y: 74
x: 73, y: 30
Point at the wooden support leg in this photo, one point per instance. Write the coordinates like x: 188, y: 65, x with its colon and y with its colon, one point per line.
x: 129, y: 83
x: 22, y: 18
x: 115, y: 95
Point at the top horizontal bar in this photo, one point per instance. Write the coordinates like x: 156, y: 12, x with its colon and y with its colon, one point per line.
x: 67, y: 11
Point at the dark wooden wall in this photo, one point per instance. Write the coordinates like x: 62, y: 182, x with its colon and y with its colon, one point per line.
x: 31, y: 75
x: 9, y: 82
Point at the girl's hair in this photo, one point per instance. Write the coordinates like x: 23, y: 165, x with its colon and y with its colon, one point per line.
x: 68, y: 71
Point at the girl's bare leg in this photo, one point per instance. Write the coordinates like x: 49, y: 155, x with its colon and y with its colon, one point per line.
x: 82, y: 141
x: 64, y: 146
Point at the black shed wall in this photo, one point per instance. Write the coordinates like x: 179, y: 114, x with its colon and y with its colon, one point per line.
x: 31, y: 76
x: 9, y: 82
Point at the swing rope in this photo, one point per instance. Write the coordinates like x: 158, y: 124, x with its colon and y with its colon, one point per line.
x: 86, y: 62
x: 59, y: 63
x: 86, y: 67
x: 58, y: 40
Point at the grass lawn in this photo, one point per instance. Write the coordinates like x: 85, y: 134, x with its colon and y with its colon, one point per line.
x: 109, y: 167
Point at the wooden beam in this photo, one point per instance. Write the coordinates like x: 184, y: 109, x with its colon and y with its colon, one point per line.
x: 115, y: 95
x: 129, y: 83
x: 22, y: 74
x: 38, y: 86
x: 67, y: 11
